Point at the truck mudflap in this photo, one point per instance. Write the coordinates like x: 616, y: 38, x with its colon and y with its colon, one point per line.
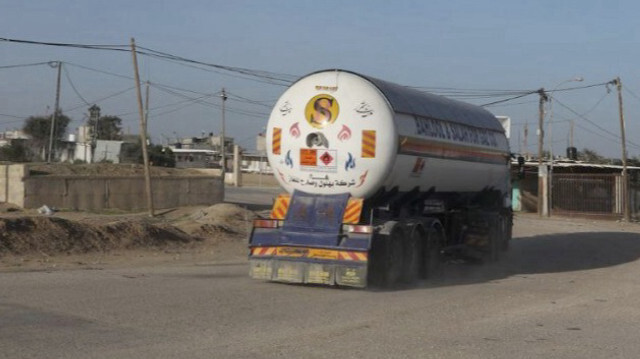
x: 296, y: 271
x: 311, y: 244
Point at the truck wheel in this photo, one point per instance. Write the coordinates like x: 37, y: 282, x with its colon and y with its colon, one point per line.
x: 432, y: 261
x: 388, y: 257
x: 412, y: 256
x: 496, y: 240
x: 507, y: 230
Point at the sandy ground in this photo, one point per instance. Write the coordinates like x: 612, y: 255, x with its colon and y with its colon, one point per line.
x: 33, y: 241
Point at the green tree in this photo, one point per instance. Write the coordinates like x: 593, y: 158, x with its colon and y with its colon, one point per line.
x: 16, y: 151
x: 158, y: 156
x: 161, y: 156
x: 39, y: 128
x: 634, y: 161
x: 591, y: 156
x: 109, y: 128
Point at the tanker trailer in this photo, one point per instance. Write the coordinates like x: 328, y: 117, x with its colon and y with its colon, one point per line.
x: 383, y: 183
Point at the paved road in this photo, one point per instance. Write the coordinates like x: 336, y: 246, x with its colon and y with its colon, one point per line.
x: 565, y: 290
x: 254, y: 198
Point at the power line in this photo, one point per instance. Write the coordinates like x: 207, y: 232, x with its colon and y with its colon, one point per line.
x: 270, y: 77
x: 27, y: 65
x: 514, y: 104
x: 618, y: 140
x: 11, y: 116
x: 631, y: 93
x: 100, y: 71
x: 201, y: 101
x: 509, y: 99
x: 100, y: 99
x: 287, y: 79
x: 59, y: 44
x: 66, y: 73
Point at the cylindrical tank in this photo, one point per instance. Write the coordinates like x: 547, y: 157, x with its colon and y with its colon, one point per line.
x: 336, y: 131
x: 572, y: 153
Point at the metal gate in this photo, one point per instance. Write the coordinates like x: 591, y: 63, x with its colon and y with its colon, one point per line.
x: 587, y: 194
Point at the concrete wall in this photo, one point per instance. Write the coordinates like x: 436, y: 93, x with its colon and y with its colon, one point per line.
x: 125, y: 193
x: 104, y: 192
x: 11, y: 179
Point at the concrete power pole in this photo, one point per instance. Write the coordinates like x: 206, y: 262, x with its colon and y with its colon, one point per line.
x: 542, y: 172
x: 55, y: 113
x: 143, y: 132
x: 625, y: 178
x: 223, y: 151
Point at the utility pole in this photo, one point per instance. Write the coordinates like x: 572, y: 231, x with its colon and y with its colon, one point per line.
x: 143, y: 131
x: 542, y: 173
x: 526, y: 145
x: 146, y: 104
x: 571, y: 134
x: 55, y: 113
x: 625, y: 178
x: 223, y: 96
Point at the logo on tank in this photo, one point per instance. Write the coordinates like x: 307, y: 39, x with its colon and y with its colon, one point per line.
x: 321, y: 111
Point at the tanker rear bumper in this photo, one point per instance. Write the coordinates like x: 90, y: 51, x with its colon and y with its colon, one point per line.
x: 309, y: 271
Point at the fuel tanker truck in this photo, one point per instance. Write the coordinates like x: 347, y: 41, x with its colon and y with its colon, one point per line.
x: 383, y: 183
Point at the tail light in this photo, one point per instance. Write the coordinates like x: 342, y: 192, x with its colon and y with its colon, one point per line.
x: 265, y: 223
x: 356, y: 228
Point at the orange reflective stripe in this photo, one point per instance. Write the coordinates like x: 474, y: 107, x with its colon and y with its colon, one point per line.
x: 353, y: 256
x: 353, y: 211
x: 263, y: 251
x: 276, y: 140
x: 280, y: 206
x: 368, y: 144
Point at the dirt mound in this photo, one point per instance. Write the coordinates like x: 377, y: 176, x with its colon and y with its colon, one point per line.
x: 7, y: 207
x: 53, y: 235
x: 222, y: 218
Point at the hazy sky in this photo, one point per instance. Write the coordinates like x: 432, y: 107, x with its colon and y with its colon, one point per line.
x: 462, y: 45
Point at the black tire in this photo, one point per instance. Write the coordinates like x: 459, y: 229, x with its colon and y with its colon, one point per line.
x: 393, y: 258
x: 508, y: 228
x: 431, y: 266
x: 412, y: 253
x: 385, y: 267
x: 496, y: 240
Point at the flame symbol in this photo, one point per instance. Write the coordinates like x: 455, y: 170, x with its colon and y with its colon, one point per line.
x: 344, y: 134
x: 351, y: 163
x: 294, y: 130
x: 363, y: 178
x: 288, y: 161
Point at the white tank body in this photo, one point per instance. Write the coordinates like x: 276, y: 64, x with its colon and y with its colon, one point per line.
x: 336, y: 131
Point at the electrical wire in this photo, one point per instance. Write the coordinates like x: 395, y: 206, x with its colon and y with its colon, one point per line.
x: 11, y: 116
x: 100, y: 71
x: 271, y: 77
x: 66, y: 73
x: 100, y: 99
x: 509, y: 99
x: 514, y: 104
x: 26, y: 65
x: 59, y: 44
x: 617, y: 137
x: 626, y: 89
x: 248, y: 113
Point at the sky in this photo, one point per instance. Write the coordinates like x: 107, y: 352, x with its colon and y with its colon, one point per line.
x: 475, y: 51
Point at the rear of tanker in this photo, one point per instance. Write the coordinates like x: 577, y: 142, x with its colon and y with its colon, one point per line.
x: 383, y: 184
